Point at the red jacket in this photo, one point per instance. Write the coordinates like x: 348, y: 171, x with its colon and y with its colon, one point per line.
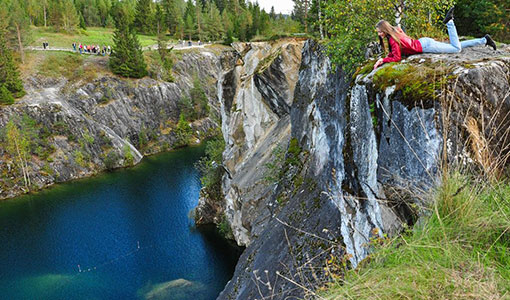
x: 409, y: 47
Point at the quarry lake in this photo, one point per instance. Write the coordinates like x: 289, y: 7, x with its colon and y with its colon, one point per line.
x: 120, y: 235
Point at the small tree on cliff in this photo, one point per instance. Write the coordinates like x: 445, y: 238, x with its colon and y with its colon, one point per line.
x: 127, y: 57
x: 10, y: 84
x: 18, y: 145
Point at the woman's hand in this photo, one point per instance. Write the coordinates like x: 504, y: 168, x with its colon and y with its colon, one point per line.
x: 378, y: 63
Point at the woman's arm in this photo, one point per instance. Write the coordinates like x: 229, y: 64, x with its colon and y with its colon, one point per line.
x: 393, y: 56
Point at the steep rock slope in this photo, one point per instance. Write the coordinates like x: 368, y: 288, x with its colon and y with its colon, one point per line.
x: 110, y: 122
x: 256, y: 97
x: 357, y: 159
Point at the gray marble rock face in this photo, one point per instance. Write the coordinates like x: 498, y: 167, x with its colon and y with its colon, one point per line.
x: 364, y: 156
x: 91, y: 127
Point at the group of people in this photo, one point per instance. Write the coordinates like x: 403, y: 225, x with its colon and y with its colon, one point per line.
x: 92, y: 49
x: 400, y: 43
x: 45, y: 45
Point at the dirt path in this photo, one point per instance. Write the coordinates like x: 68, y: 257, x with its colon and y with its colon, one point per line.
x: 175, y: 47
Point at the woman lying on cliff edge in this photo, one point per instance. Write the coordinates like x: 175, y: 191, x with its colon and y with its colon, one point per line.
x: 400, y: 42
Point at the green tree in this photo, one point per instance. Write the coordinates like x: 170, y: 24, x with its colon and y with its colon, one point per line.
x: 5, y: 96
x: 196, y: 106
x: 476, y: 18
x: 18, y: 26
x: 173, y: 15
x: 127, y: 57
x: 10, y: 81
x: 300, y: 12
x: 189, y: 26
x: 183, y: 132
x: 17, y: 145
x: 144, y: 17
x: 82, y: 23
x: 213, y: 26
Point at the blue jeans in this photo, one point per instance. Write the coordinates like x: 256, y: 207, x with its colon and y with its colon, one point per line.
x: 455, y: 46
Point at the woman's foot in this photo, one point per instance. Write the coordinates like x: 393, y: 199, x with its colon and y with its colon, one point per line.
x: 490, y: 42
x: 449, y: 15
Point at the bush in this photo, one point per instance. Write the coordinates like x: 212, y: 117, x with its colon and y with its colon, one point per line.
x: 5, y: 96
x: 183, y: 132
x: 195, y: 106
x: 210, y: 165
x: 128, y: 156
x: 110, y: 159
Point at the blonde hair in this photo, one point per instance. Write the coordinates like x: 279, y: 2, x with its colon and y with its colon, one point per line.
x: 391, y: 31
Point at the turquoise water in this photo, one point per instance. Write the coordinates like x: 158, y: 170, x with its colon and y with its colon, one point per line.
x: 128, y: 232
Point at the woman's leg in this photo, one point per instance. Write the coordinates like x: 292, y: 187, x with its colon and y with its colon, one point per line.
x: 474, y: 42
x: 432, y: 46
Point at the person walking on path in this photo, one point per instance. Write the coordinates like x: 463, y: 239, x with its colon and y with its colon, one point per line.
x: 400, y: 43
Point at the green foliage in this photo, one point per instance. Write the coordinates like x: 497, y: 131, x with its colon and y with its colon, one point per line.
x: 273, y: 167
x: 224, y: 228
x: 79, y: 158
x: 183, y: 132
x: 5, y: 96
x: 196, y: 106
x: 126, y: 58
x: 128, y: 156
x: 459, y: 252
x: 372, y: 113
x: 61, y: 64
x: 110, y: 159
x: 210, y: 167
x: 11, y: 85
x: 352, y: 25
x: 293, y: 153
x: 417, y: 83
x: 143, y: 139
x: 63, y: 15
x: 144, y: 18
x: 476, y: 18
x: 17, y: 145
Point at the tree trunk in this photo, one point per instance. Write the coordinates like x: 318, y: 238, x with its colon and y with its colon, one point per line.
x: 21, y: 52
x: 198, y: 21
x: 321, y: 30
x: 22, y: 165
x: 44, y: 15
x: 399, y: 11
x: 306, y: 16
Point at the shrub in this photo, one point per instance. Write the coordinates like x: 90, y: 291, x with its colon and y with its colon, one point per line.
x: 183, y: 132
x: 210, y: 165
x: 110, y: 159
x: 128, y: 156
x: 5, y: 96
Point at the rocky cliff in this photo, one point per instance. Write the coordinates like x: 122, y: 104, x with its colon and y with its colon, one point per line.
x: 360, y: 154
x: 76, y: 130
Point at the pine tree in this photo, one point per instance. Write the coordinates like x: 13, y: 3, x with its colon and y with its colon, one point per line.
x: 82, y: 23
x: 144, y: 17
x: 173, y: 14
x: 10, y: 83
x: 5, y: 96
x: 300, y: 12
x: 272, y: 14
x: 127, y: 56
x: 19, y: 26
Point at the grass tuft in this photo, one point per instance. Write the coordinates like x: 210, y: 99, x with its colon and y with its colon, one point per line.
x: 417, y: 83
x: 461, y: 251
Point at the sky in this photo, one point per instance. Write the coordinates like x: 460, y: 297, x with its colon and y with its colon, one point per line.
x: 283, y: 6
